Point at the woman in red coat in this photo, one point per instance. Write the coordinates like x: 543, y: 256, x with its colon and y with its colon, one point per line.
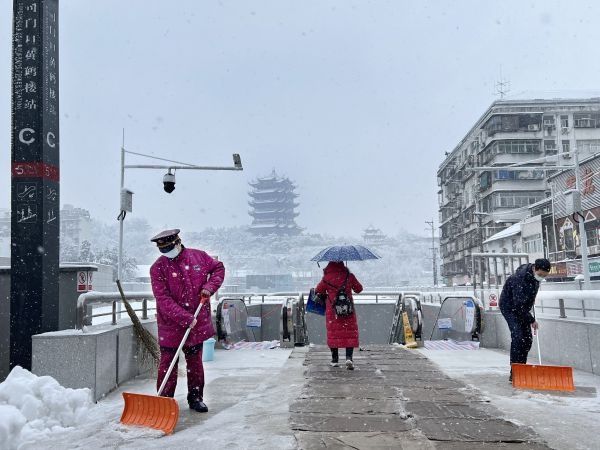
x: 341, y: 331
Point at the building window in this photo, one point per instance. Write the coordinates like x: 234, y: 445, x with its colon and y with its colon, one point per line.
x: 566, y: 145
x: 564, y: 121
x: 550, y: 147
x: 589, y: 146
x: 533, y: 244
x: 518, y: 175
x: 512, y: 147
x: 516, y: 199
x: 586, y: 120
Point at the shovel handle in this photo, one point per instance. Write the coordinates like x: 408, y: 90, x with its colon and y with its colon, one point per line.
x: 536, y: 333
x: 174, y: 360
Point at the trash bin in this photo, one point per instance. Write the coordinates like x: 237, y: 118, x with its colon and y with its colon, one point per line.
x: 208, y: 349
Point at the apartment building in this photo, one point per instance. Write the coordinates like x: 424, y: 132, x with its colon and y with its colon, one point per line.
x: 480, y: 194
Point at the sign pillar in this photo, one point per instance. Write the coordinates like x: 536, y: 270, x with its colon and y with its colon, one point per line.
x: 35, y: 176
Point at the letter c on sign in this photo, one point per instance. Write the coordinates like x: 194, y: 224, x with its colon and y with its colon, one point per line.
x: 50, y: 139
x: 22, y: 136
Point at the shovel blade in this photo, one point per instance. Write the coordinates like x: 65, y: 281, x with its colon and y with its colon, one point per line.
x: 151, y: 411
x: 541, y: 377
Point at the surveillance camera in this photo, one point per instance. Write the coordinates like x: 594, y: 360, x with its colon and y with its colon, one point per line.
x: 237, y: 161
x: 169, y: 182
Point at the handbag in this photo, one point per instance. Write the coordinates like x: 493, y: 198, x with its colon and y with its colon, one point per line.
x: 315, y: 303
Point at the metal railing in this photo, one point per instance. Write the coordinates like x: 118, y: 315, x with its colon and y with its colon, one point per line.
x: 113, y: 299
x: 277, y: 296
x: 581, y: 304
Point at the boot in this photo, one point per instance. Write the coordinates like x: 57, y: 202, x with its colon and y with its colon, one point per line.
x: 198, y: 406
x: 196, y: 403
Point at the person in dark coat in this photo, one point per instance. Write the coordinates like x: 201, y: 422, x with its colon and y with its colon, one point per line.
x: 181, y: 279
x: 342, y: 332
x: 516, y: 301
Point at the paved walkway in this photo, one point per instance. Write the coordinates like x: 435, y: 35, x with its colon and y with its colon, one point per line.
x: 396, y: 398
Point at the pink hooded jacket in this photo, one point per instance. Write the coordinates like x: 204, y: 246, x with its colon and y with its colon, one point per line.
x: 176, y: 284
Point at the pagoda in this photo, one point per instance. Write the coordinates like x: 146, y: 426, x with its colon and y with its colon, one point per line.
x: 373, y: 236
x: 272, y: 203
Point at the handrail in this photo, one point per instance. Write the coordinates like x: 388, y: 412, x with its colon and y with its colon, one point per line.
x: 112, y: 298
x: 246, y: 296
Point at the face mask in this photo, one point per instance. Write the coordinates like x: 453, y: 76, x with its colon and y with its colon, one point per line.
x: 173, y: 253
x: 538, y: 277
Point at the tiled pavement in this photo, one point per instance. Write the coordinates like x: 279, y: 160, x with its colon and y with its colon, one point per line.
x: 396, y: 399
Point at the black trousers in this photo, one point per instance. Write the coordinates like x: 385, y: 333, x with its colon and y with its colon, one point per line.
x: 335, y: 355
x: 521, y: 337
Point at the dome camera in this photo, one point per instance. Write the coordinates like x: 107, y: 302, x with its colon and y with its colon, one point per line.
x: 169, y: 182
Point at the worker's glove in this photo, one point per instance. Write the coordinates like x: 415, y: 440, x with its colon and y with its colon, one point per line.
x: 205, y: 296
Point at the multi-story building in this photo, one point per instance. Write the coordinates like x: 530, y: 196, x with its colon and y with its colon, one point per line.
x: 373, y: 236
x: 480, y: 194
x: 75, y: 225
x: 273, y: 206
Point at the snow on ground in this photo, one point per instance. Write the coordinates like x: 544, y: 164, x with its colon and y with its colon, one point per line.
x: 564, y: 420
x: 248, y: 393
x: 33, y: 408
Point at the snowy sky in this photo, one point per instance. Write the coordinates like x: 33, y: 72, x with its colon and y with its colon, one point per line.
x: 356, y: 101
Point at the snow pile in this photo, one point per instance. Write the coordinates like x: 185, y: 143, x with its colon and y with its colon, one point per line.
x: 32, y: 407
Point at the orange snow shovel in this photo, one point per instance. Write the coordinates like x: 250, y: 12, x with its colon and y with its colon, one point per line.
x: 541, y: 377
x: 155, y: 411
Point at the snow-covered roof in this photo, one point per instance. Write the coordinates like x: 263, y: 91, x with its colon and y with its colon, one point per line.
x: 510, y: 231
x: 554, y: 95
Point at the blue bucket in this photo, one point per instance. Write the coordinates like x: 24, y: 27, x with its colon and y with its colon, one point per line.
x: 208, y: 349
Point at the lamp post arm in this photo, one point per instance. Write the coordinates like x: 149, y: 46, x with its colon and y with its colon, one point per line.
x: 188, y: 167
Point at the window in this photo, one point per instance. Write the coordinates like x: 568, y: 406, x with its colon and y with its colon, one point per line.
x: 533, y: 244
x: 566, y: 145
x: 548, y: 121
x: 550, y: 146
x: 513, y: 147
x: 586, y: 120
x: 516, y: 199
x: 589, y: 146
x: 564, y: 121
x: 518, y: 175
x: 569, y: 241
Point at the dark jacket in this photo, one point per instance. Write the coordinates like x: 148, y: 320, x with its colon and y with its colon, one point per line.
x: 518, y: 294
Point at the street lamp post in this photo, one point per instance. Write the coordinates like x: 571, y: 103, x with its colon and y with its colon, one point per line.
x: 433, y: 250
x: 125, y: 195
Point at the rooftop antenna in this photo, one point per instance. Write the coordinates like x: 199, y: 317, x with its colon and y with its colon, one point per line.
x: 502, y: 86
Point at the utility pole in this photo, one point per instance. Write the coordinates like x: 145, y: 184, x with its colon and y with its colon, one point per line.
x: 433, y: 251
x: 582, y: 233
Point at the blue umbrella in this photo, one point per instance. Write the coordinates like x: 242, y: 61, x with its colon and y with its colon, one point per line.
x: 345, y: 253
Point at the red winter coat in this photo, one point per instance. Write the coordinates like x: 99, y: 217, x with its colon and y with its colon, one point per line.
x: 176, y: 284
x: 342, y: 332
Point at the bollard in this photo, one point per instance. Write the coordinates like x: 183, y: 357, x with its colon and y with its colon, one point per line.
x: 145, y: 308
x: 561, y: 308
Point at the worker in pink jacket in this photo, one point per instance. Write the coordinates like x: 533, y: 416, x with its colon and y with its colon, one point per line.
x: 181, y: 279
